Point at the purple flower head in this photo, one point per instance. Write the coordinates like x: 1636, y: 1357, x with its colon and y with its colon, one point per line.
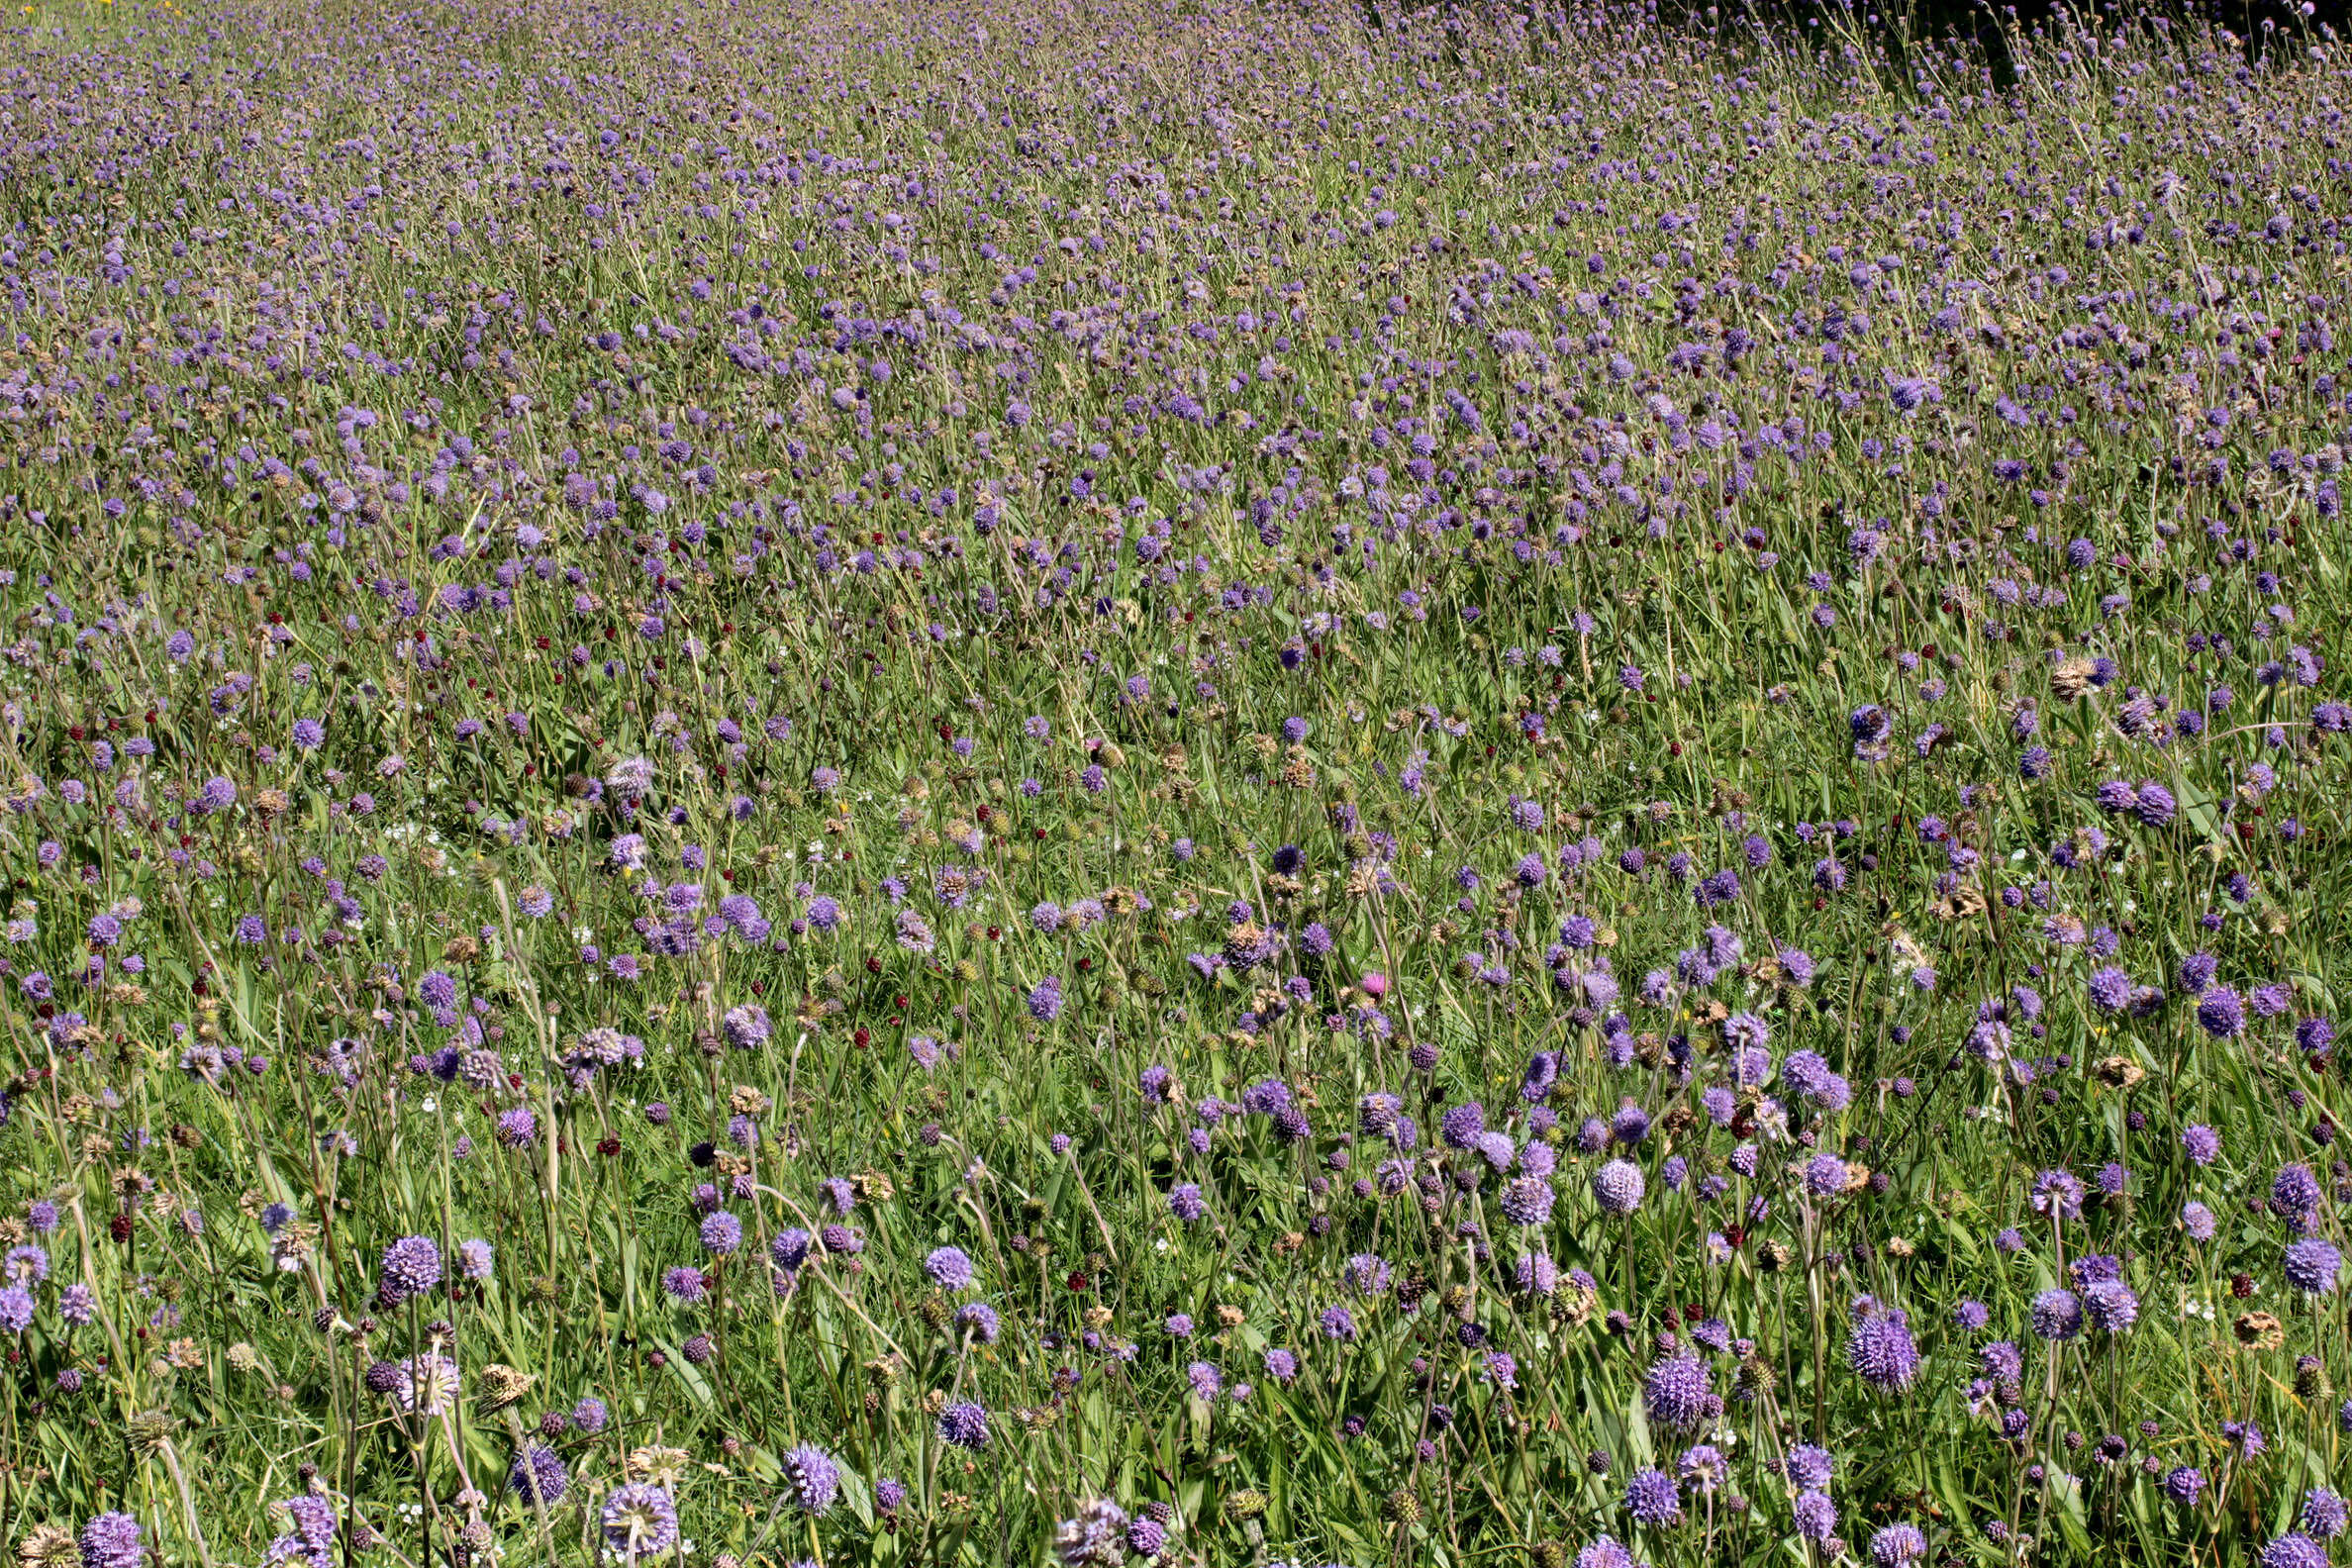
x: 1619, y: 1187
x: 950, y: 1268
x: 538, y: 1477
x: 1654, y: 1498
x: 113, y: 1540
x: 2313, y: 1264
x: 412, y: 1266
x: 813, y: 1476
x: 965, y: 1425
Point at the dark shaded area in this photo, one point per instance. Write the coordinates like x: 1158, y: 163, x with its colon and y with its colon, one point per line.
x: 2262, y: 25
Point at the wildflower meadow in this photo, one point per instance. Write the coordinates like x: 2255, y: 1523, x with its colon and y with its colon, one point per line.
x: 1191, y: 782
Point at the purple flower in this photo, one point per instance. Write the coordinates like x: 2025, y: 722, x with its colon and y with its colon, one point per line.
x: 538, y: 1477
x: 113, y: 1540
x: 950, y: 1268
x: 2220, y: 1013
x: 412, y: 1266
x: 965, y: 1425
x: 2057, y: 1315
x: 1815, y: 1516
x: 814, y: 1478
x: 722, y: 1232
x: 2111, y: 1306
x: 2293, y: 1550
x: 1619, y: 1187
x: 2312, y: 1265
x: 641, y: 1522
x: 1880, y: 1352
x: 1897, y: 1546
x: 1654, y: 1498
x: 1679, y: 1393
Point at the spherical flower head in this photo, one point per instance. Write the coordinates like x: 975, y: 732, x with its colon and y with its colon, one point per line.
x: 1824, y: 1176
x: 2109, y: 989
x: 640, y: 1521
x: 2323, y: 1514
x: 1816, y: 1516
x: 412, y: 1266
x: 950, y: 1268
x: 1809, y: 1468
x: 2312, y: 1265
x: 1096, y: 1537
x: 1147, y: 1537
x: 2059, y: 1194
x: 2202, y: 1143
x: 747, y: 1027
x: 1185, y: 1201
x: 1703, y: 1467
x: 2111, y: 1306
x: 1880, y: 1352
x: 1678, y: 1393
x: 1606, y: 1552
x: 1046, y: 1000
x: 790, y: 1248
x: 2295, y: 1190
x: 1462, y: 1126
x: 111, y: 1540
x: 16, y: 1309
x: 475, y: 1259
x: 1338, y: 1324
x: 1283, y: 1366
x: 2198, y: 1221
x: 2056, y: 1314
x: 1527, y: 1201
x: 814, y: 1478
x: 1619, y: 1187
x: 1897, y: 1546
x: 722, y: 1232
x: 2221, y: 1013
x: 538, y: 1477
x: 590, y: 1416
x: 2295, y: 1549
x: 2183, y: 1482
x: 980, y: 1320
x: 964, y: 1425
x: 1654, y: 1498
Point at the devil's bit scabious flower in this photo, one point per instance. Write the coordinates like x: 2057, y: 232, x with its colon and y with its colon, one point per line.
x: 412, y: 1266
x: 641, y: 1522
x: 813, y: 1476
x: 111, y: 1540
